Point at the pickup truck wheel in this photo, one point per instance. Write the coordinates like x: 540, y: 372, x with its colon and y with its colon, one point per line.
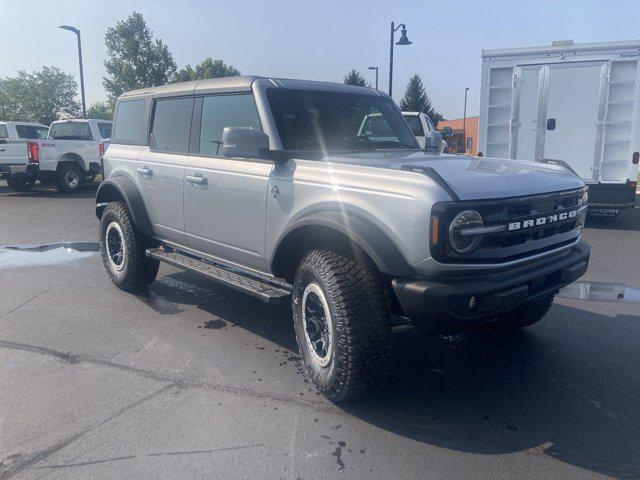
x: 342, y: 325
x: 122, y: 248
x: 20, y: 182
x: 70, y: 178
x: 524, y: 316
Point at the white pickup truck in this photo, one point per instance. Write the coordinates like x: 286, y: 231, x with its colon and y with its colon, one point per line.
x: 69, y: 156
x: 421, y: 125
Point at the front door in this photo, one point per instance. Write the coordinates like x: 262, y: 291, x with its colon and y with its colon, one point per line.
x: 160, y: 167
x: 225, y: 198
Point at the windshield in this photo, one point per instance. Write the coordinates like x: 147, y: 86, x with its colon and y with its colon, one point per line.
x: 70, y: 131
x: 415, y: 124
x: 31, y: 131
x: 331, y: 121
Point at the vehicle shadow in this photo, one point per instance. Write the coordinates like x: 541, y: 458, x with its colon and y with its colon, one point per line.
x: 567, y: 388
x: 40, y: 191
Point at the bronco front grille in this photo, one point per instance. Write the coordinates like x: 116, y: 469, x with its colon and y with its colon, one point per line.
x: 531, y: 225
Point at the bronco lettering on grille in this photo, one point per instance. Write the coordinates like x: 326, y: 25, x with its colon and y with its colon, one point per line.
x: 536, y: 222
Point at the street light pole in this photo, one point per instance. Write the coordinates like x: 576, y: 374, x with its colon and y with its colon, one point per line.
x: 403, y: 41
x: 77, y: 32
x: 464, y: 123
x: 376, y: 69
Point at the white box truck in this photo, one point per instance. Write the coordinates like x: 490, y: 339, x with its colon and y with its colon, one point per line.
x: 573, y: 103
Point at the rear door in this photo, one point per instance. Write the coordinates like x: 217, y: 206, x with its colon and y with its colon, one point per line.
x: 525, y: 124
x: 575, y: 114
x: 225, y: 198
x: 160, y: 166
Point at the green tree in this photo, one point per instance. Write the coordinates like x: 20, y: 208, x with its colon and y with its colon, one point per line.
x: 100, y: 111
x: 354, y: 78
x: 208, y: 68
x: 134, y: 58
x: 41, y: 96
x: 416, y: 100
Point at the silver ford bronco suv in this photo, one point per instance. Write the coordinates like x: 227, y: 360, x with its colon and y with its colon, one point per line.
x: 320, y: 192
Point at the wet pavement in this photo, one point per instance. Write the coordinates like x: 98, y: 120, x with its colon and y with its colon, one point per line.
x: 192, y: 380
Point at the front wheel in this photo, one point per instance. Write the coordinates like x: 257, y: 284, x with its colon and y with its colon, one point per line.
x: 341, y: 324
x: 122, y: 248
x: 70, y: 178
x: 20, y: 182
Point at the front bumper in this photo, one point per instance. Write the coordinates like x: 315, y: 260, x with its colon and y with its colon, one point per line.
x: 441, y: 305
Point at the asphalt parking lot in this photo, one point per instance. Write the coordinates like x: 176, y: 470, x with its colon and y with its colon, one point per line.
x: 192, y: 380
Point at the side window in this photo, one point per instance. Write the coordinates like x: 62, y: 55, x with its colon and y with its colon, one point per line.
x: 172, y: 124
x: 432, y: 127
x: 3, y: 131
x: 222, y: 111
x: 104, y: 129
x: 128, y: 121
x: 42, y: 132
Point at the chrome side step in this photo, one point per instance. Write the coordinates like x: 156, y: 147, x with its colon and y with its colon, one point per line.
x: 266, y: 292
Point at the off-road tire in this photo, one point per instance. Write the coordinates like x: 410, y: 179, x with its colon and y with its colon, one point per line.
x: 136, y: 270
x: 64, y: 176
x: 524, y: 316
x: 20, y: 182
x: 360, y: 328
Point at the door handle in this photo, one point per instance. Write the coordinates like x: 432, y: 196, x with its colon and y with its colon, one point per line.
x: 145, y: 171
x: 2, y: 150
x: 197, y: 179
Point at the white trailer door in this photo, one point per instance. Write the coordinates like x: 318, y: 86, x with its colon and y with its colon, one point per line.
x: 573, y: 123
x: 525, y: 123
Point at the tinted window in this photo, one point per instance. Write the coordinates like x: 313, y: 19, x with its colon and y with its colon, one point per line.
x: 3, y: 131
x: 432, y: 127
x: 223, y: 111
x: 319, y: 121
x: 70, y: 131
x: 31, y: 131
x: 128, y: 120
x: 105, y: 130
x: 415, y: 125
x: 172, y: 124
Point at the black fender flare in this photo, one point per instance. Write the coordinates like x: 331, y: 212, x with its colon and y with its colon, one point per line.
x: 122, y: 187
x: 368, y: 237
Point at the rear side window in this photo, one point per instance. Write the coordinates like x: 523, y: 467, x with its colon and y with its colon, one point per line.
x: 172, y: 124
x: 222, y: 111
x: 3, y: 131
x: 128, y: 121
x: 104, y: 129
x: 31, y: 131
x: 70, y: 131
x: 415, y: 124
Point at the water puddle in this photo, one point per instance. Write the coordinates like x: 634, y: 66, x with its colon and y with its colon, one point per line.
x: 20, y: 256
x: 601, y: 292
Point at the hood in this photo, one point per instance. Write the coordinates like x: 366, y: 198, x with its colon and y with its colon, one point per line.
x: 474, y: 178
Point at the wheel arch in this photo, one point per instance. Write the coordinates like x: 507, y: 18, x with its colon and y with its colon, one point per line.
x: 335, y: 229
x: 71, y: 158
x: 123, y: 189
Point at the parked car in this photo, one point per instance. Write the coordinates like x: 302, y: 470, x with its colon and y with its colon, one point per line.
x: 272, y: 187
x: 421, y: 125
x: 577, y: 103
x: 11, y: 130
x: 69, y: 156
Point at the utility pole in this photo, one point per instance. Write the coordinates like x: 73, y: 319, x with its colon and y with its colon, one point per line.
x: 464, y: 123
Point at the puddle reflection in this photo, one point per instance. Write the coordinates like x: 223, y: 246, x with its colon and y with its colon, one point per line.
x: 20, y: 256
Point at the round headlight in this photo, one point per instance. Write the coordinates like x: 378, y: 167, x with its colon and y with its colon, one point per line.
x: 460, y: 239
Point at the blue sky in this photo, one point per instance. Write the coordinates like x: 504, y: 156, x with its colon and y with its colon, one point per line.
x: 319, y: 40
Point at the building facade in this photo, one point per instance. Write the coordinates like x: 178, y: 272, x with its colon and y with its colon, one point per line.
x: 457, y: 142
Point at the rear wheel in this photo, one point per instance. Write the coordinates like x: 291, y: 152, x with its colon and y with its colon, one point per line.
x: 341, y: 324
x: 122, y: 248
x: 523, y: 316
x: 20, y: 182
x: 70, y: 178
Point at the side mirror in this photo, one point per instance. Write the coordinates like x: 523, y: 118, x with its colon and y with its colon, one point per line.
x: 433, y: 141
x: 243, y: 142
x: 447, y: 132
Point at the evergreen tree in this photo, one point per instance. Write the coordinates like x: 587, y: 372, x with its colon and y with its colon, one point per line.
x: 416, y: 100
x: 354, y: 78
